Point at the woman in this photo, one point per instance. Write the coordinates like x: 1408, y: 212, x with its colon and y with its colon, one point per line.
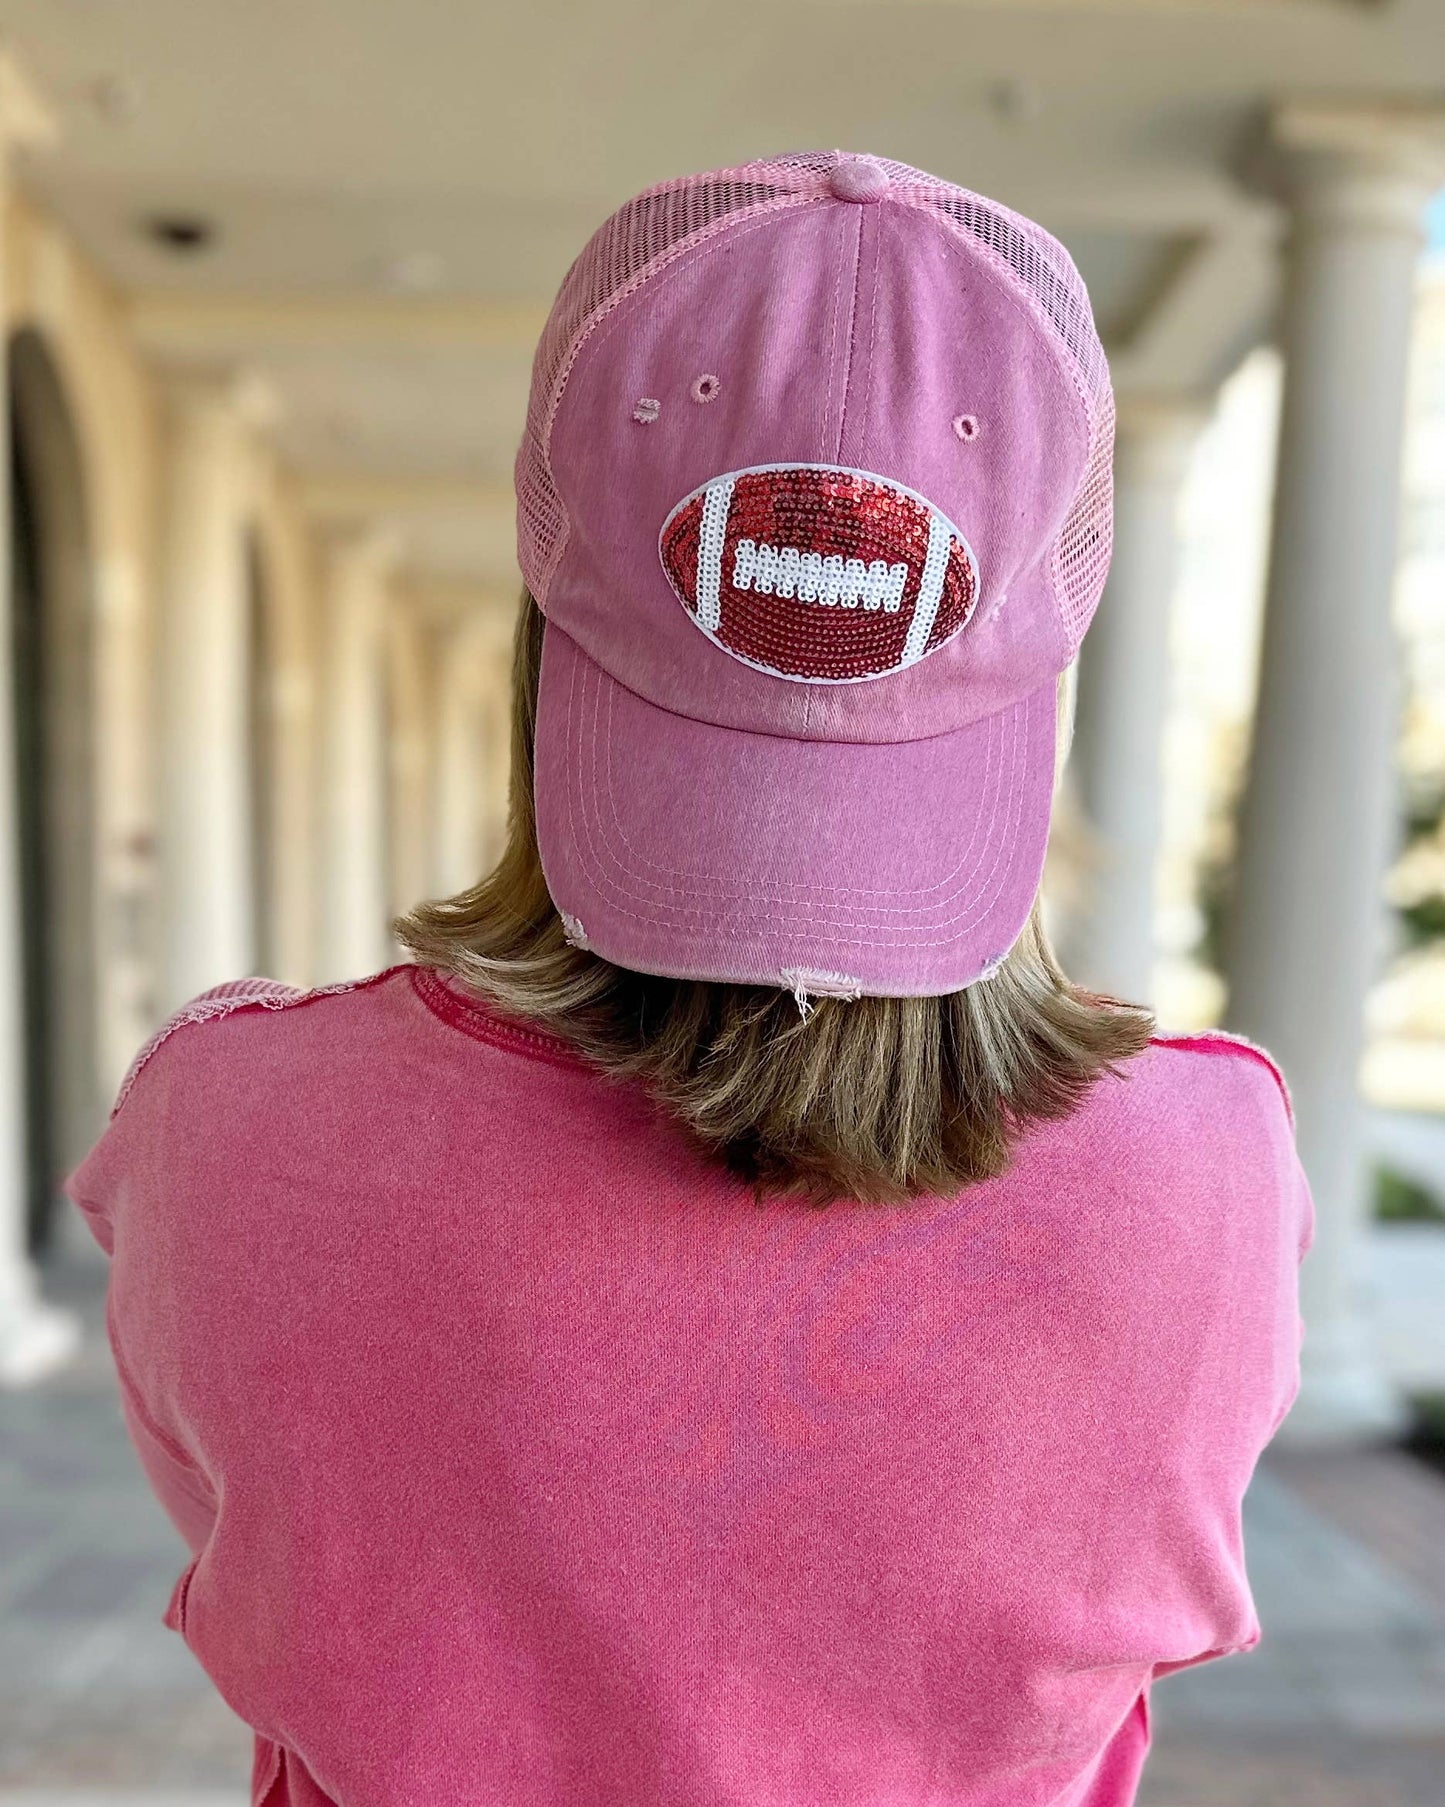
x: 730, y: 1322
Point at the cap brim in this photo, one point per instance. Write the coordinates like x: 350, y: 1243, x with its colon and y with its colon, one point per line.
x: 695, y: 851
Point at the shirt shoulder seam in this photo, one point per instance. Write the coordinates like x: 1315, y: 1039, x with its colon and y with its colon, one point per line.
x: 1227, y: 1042
x: 231, y: 999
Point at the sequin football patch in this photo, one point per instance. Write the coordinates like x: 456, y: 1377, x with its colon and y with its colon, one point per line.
x: 817, y: 573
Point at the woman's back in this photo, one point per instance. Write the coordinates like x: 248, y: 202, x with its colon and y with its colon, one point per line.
x: 527, y: 1457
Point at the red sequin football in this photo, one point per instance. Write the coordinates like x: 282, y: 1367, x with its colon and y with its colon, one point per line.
x: 817, y: 573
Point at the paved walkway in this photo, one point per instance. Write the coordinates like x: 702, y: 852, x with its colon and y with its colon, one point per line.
x: 96, y: 1696
x: 1343, y: 1705
x: 1404, y: 1293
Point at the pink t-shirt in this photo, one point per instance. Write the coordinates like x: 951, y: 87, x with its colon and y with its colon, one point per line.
x: 526, y: 1459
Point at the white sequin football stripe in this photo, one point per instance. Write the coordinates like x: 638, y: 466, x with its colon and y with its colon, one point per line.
x: 834, y: 581
x: 930, y: 590
x: 717, y: 500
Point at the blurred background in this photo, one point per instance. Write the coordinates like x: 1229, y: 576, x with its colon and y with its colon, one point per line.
x: 270, y: 278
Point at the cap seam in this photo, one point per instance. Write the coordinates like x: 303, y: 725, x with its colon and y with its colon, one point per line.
x: 878, y: 222
x: 850, y: 342
x: 861, y: 220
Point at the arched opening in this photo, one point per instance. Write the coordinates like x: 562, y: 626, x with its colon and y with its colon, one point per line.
x: 51, y: 625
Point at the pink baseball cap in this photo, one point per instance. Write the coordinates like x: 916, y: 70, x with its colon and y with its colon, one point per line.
x: 815, y: 497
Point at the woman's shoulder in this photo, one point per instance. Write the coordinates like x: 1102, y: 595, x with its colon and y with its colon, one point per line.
x: 1204, y: 1108
x: 228, y: 1073
x: 1211, y: 1111
x: 1237, y: 1059
x: 236, y: 997
x: 1191, y: 1145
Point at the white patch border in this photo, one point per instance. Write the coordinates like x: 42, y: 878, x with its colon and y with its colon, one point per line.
x: 937, y: 519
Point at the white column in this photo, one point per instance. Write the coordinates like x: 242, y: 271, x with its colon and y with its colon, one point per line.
x: 353, y: 936
x: 1320, y: 813
x: 1124, y: 681
x: 412, y: 717
x: 457, y: 848
x: 474, y: 728
x: 34, y: 1337
x: 207, y: 887
x: 291, y: 597
x: 497, y: 654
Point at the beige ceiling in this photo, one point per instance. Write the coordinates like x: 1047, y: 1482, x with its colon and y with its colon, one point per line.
x: 398, y: 185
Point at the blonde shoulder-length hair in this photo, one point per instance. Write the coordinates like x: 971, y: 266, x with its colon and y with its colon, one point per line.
x: 877, y: 1100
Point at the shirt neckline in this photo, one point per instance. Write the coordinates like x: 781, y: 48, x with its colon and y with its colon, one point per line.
x: 450, y: 1002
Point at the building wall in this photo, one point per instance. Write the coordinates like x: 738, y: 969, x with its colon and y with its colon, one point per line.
x: 51, y: 289
x: 117, y: 400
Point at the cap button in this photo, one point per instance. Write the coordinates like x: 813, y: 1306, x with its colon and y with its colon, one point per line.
x: 858, y: 179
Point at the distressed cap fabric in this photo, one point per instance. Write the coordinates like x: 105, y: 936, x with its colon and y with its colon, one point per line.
x: 815, y: 498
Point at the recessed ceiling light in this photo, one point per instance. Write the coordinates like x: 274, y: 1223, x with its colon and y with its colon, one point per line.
x: 1015, y: 99
x: 115, y: 98
x: 184, y: 234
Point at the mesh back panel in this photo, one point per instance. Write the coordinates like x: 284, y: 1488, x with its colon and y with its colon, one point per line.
x: 645, y: 235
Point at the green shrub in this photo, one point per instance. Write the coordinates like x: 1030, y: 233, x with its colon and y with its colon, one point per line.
x: 1400, y: 1199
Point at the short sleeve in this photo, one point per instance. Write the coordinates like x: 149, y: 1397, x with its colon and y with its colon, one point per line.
x: 1298, y: 1232
x: 123, y: 1191
x: 1244, y: 1341
x: 1277, y: 1220
x: 1294, y: 1221
x: 94, y: 1185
